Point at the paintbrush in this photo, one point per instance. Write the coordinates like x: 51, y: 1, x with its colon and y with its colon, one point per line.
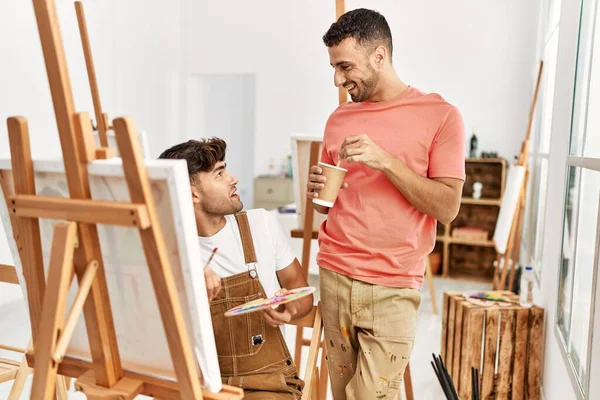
x: 211, y: 256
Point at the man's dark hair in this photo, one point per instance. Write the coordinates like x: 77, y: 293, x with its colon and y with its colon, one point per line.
x: 369, y: 28
x: 201, y: 155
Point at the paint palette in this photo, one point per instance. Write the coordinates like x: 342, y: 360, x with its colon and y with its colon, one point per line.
x: 261, y: 304
x: 488, y: 298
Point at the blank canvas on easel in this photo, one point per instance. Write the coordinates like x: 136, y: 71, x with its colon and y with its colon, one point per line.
x: 142, y: 341
x: 508, y: 207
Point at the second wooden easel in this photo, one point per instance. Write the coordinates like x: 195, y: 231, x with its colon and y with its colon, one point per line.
x: 102, y: 120
x: 509, y: 259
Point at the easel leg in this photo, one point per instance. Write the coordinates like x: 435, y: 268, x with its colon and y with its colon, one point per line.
x: 20, y: 379
x: 309, y: 213
x: 323, y: 374
x: 408, y: 387
x: 508, y: 254
x: 28, y: 229
x: 430, y: 284
x: 521, y: 216
x: 61, y: 388
x: 497, y: 272
x: 60, y: 274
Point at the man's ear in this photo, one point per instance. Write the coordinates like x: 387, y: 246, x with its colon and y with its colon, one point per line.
x: 379, y: 56
x: 196, y: 195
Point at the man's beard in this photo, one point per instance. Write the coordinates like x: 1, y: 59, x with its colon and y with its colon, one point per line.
x: 366, y: 88
x: 216, y: 206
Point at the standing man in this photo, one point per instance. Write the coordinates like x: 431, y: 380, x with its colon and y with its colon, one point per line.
x: 405, y: 152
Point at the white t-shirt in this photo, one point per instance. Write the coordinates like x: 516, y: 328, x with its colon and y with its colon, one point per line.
x: 271, y: 245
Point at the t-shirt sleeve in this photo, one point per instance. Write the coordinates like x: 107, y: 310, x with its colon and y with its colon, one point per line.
x: 284, y: 254
x: 447, y: 153
x: 325, y: 156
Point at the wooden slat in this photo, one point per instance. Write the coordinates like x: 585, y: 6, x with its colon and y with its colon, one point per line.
x: 459, y: 330
x: 158, y: 262
x: 124, y: 389
x: 80, y: 210
x: 492, y: 318
x: 153, y: 387
x: 451, y: 331
x: 311, y: 362
x: 91, y: 70
x: 408, y: 386
x: 8, y: 364
x: 83, y: 128
x: 461, y: 349
x: 309, y: 213
x: 60, y: 273
x: 307, y: 235
x: 474, y: 338
x: 445, y: 310
x: 16, y: 389
x: 521, y: 333
x: 28, y: 230
x: 536, y: 339
x: 446, y: 256
x: 299, y: 233
x: 507, y: 327
x: 98, y: 318
x: 8, y: 374
x: 8, y: 274
x: 105, y: 153
x: 69, y: 327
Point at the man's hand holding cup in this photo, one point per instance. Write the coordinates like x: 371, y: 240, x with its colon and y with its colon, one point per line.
x: 324, y: 183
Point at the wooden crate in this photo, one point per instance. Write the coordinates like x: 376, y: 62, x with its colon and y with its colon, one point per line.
x: 481, y: 337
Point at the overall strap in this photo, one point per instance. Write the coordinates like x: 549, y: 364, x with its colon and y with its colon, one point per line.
x: 246, y: 235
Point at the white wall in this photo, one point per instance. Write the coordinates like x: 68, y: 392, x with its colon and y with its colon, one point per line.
x: 136, y: 50
x: 478, y: 55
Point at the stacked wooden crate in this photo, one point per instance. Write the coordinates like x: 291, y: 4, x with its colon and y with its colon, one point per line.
x: 510, y: 336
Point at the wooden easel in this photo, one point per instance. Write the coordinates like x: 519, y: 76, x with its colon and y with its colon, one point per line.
x: 510, y: 257
x: 102, y: 121
x: 76, y: 251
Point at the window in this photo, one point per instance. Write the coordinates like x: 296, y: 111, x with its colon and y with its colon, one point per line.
x: 581, y: 227
x: 540, y: 140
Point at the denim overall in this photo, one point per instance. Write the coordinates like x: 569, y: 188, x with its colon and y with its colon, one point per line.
x: 252, y: 354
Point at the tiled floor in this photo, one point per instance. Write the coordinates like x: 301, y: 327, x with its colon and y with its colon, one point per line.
x: 14, y: 330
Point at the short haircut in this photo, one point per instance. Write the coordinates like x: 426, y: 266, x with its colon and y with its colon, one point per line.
x: 200, y: 155
x: 369, y: 28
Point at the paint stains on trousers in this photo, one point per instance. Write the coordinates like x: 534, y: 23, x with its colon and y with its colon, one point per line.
x: 370, y: 332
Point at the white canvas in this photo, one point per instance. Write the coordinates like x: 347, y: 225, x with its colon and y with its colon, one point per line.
x: 300, y: 167
x: 140, y: 334
x: 112, y: 142
x: 508, y: 207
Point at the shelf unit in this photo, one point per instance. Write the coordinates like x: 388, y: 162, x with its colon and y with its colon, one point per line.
x: 466, y: 259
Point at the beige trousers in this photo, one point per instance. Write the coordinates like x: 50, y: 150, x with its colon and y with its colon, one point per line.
x: 369, y: 331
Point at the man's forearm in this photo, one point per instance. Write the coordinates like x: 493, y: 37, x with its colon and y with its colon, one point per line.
x: 305, y: 306
x: 431, y: 197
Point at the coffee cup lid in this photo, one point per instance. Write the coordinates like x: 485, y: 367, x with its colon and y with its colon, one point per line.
x: 333, y: 166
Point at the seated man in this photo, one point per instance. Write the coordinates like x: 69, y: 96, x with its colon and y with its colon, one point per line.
x: 253, y: 259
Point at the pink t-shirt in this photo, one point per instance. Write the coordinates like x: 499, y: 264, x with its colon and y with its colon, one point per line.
x: 372, y: 233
